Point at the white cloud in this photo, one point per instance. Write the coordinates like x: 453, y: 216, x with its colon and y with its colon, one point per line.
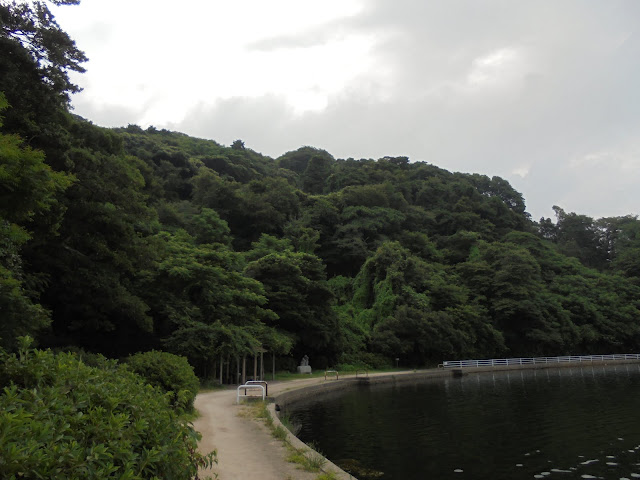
x: 521, y: 171
x: 497, y: 68
x: 174, y: 57
x: 541, y: 93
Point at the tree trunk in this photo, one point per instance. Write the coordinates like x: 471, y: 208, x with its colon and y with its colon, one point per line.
x: 244, y: 369
x: 221, y: 367
x: 255, y: 366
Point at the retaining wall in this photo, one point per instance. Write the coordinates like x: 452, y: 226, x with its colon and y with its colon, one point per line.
x: 297, y: 394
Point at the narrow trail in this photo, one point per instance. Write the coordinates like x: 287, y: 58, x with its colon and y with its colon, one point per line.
x: 245, y: 447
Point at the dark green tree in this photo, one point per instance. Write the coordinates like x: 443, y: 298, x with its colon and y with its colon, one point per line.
x: 296, y: 289
x: 28, y: 189
x: 36, y: 57
x: 32, y: 25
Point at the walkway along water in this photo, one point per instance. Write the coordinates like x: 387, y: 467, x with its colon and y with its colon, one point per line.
x: 246, y: 448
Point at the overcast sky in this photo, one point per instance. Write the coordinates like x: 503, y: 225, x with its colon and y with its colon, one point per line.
x: 543, y: 93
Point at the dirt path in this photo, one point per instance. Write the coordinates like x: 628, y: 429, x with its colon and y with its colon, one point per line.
x: 245, y: 448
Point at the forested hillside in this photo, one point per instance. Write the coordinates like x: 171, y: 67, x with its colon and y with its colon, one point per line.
x: 124, y: 240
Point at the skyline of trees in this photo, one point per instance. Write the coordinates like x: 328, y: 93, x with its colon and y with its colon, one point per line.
x: 124, y: 240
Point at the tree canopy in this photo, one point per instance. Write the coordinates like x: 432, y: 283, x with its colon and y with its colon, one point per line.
x: 130, y: 239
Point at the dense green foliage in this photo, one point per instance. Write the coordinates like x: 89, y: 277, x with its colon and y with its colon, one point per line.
x: 127, y: 240
x: 61, y: 419
x: 171, y: 373
x: 118, y: 241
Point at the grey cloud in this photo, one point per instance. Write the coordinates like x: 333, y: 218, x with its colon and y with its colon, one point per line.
x: 104, y: 114
x: 262, y: 123
x: 574, y: 94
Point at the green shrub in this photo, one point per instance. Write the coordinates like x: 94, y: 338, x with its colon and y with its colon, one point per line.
x: 350, y: 362
x: 61, y: 419
x: 169, y: 372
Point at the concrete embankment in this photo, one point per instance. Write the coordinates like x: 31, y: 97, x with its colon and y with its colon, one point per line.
x: 289, y: 395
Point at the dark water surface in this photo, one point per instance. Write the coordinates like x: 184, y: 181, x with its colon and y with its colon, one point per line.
x: 555, y: 424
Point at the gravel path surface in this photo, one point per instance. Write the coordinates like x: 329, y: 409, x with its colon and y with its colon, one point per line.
x: 245, y: 447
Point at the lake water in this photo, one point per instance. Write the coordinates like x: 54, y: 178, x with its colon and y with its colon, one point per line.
x: 556, y: 424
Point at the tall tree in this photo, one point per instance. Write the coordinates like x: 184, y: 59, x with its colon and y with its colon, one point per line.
x: 28, y: 189
x: 296, y: 289
x: 33, y: 26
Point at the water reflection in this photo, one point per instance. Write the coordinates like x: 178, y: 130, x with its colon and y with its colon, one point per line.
x: 580, y: 422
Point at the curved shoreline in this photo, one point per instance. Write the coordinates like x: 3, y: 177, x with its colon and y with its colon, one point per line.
x: 299, y: 393
x: 240, y: 440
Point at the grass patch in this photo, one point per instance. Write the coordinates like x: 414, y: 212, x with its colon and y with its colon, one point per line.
x: 289, y: 425
x: 346, y: 370
x: 327, y: 476
x: 257, y: 409
x: 280, y: 433
x: 296, y: 456
x: 295, y: 375
x: 311, y: 461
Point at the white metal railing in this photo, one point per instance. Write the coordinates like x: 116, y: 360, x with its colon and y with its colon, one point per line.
x: 250, y: 387
x: 496, y: 362
x: 258, y: 382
